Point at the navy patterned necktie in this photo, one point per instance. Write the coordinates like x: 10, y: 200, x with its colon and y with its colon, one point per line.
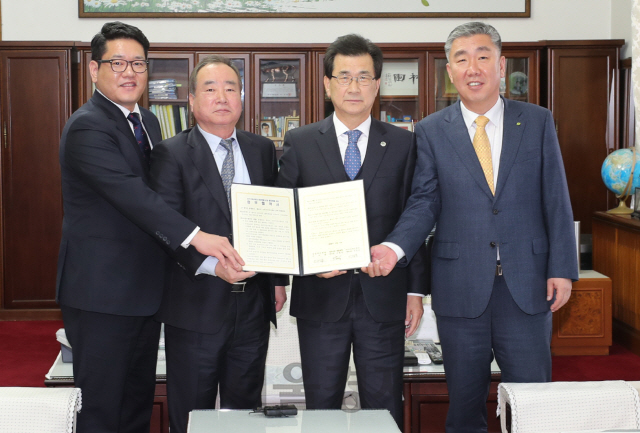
x: 141, y: 137
x: 352, y: 160
x: 228, y: 171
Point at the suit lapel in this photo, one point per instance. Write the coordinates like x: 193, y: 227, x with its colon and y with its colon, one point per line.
x: 122, y: 124
x: 374, y: 155
x: 252, y: 158
x: 330, y: 150
x: 513, y: 126
x: 202, y: 157
x: 458, y: 136
x: 154, y: 135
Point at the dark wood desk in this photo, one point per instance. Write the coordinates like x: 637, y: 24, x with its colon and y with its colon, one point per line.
x: 426, y: 401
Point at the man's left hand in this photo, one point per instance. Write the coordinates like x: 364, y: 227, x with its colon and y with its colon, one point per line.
x: 562, y: 289
x: 281, y: 297
x: 414, y: 314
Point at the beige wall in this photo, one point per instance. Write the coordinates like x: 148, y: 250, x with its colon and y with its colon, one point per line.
x: 550, y: 19
x: 621, y: 24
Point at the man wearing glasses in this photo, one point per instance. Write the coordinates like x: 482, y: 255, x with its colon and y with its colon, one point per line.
x: 111, y: 265
x: 345, y: 309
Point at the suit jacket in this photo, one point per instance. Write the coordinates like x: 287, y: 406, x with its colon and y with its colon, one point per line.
x: 185, y: 174
x: 110, y: 257
x: 529, y: 218
x: 312, y: 157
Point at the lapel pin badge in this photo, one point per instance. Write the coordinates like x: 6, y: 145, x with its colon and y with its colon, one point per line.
x: 383, y: 143
x: 518, y: 123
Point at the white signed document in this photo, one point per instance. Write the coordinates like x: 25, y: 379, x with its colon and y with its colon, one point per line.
x: 300, y: 231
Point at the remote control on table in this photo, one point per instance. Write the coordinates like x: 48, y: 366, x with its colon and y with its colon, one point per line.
x: 433, y: 352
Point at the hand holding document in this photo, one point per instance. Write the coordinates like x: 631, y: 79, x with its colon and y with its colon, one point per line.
x: 300, y: 231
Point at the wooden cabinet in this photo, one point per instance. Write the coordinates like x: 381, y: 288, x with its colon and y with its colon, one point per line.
x: 583, y: 96
x: 160, y: 411
x: 616, y: 253
x: 280, y: 90
x: 35, y: 94
x: 426, y: 403
x: 583, y: 325
x: 168, y: 93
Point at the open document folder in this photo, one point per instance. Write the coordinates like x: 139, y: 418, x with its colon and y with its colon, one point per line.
x: 300, y: 231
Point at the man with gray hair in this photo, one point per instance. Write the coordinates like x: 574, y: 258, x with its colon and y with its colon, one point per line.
x: 490, y: 172
x: 216, y: 325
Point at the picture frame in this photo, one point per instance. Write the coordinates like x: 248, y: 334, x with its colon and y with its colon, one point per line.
x: 404, y: 125
x: 280, y: 90
x: 303, y: 9
x: 268, y: 128
x: 291, y: 122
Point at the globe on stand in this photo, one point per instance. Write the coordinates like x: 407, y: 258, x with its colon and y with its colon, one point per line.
x: 621, y: 175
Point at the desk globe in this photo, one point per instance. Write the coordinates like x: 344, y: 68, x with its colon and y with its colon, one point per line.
x: 621, y: 175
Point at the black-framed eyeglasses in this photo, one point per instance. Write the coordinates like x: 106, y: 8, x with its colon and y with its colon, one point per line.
x: 345, y: 80
x: 120, y: 65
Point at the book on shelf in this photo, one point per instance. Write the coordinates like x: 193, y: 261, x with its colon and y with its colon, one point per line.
x: 163, y: 89
x: 172, y: 118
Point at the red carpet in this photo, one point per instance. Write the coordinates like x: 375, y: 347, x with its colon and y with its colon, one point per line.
x: 621, y: 364
x: 27, y: 350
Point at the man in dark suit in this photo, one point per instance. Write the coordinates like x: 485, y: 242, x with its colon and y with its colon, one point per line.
x: 216, y: 326
x: 346, y: 308
x: 111, y: 265
x: 490, y: 173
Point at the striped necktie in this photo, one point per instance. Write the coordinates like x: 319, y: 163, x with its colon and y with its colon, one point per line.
x: 228, y: 172
x: 141, y: 137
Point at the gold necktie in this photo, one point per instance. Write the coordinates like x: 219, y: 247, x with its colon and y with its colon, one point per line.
x: 483, y: 150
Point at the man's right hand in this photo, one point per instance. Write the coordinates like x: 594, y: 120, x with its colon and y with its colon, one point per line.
x: 331, y: 274
x: 383, y: 260
x: 218, y: 247
x: 230, y: 275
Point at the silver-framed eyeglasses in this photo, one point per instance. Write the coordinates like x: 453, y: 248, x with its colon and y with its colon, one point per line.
x: 345, y: 80
x: 120, y: 65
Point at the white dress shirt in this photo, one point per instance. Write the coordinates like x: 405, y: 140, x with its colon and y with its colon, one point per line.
x: 241, y: 175
x: 343, y: 138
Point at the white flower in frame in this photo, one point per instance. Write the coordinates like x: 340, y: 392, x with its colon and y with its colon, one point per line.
x: 113, y: 3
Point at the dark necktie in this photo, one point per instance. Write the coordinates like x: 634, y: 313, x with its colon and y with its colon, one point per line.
x: 352, y: 158
x: 141, y: 137
x: 228, y: 172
